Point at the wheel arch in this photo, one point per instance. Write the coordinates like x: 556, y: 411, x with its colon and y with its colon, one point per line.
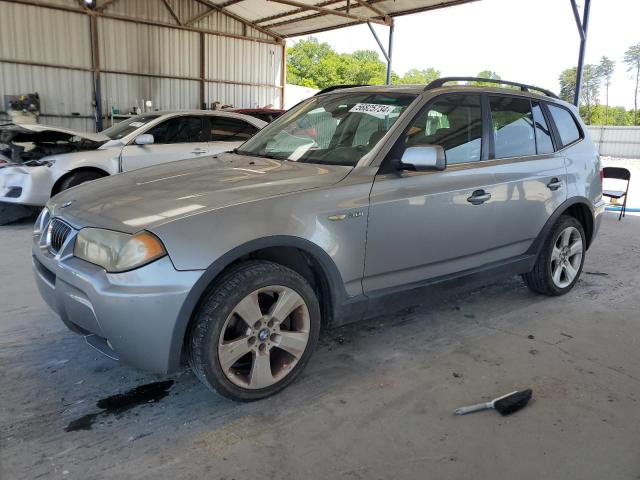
x: 56, y: 186
x: 302, y: 256
x: 578, y: 207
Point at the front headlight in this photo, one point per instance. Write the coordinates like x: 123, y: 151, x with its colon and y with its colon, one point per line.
x: 116, y: 251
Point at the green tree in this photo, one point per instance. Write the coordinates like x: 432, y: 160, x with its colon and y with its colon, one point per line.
x: 312, y: 64
x: 486, y: 74
x: 606, y: 69
x: 416, y: 76
x: 316, y: 65
x: 362, y: 67
x: 567, y: 84
x: 600, y: 115
x: 590, y: 92
x: 632, y: 59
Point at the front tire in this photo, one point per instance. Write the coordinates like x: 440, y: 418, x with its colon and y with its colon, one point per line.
x: 78, y: 178
x: 560, y: 262
x: 255, y: 331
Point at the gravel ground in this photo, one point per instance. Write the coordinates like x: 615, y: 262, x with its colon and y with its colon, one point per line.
x: 375, y: 402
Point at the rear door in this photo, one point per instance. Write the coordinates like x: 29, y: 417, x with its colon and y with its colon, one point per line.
x: 228, y: 133
x: 530, y: 175
x: 177, y: 138
x: 424, y: 225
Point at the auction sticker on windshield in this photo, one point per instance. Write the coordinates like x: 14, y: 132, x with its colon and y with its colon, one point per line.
x: 372, y: 108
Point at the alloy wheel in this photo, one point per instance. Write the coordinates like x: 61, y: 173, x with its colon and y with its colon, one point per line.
x: 264, y: 337
x: 566, y: 257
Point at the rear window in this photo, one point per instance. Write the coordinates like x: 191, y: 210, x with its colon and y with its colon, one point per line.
x: 566, y: 124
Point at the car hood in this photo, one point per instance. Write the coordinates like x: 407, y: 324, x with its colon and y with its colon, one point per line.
x: 152, y: 196
x: 45, y: 133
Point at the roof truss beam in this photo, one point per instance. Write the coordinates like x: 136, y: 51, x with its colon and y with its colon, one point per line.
x: 329, y: 11
x: 172, y: 12
x: 237, y: 18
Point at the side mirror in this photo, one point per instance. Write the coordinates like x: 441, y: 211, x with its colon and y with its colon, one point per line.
x: 144, y: 139
x: 424, y: 157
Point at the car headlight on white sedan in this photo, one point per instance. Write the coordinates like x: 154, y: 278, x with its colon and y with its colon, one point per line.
x: 116, y: 251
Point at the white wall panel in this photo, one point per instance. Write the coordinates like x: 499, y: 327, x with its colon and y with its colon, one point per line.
x: 148, y: 49
x: 242, y: 61
x: 44, y: 35
x: 623, y: 142
x: 243, y: 96
x: 127, y: 91
x: 245, y: 73
x: 61, y: 90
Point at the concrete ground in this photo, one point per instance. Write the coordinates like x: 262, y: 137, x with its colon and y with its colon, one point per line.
x: 375, y: 401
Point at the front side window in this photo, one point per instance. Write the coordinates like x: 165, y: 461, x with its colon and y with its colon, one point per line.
x: 226, y: 129
x: 544, y: 143
x: 130, y: 125
x: 455, y: 123
x: 179, y: 130
x: 565, y: 123
x: 336, y: 129
x: 512, y: 123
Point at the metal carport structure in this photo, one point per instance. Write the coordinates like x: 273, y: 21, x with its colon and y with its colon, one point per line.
x: 252, y: 30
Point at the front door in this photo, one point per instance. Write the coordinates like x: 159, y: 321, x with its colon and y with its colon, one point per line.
x: 424, y: 225
x: 177, y: 138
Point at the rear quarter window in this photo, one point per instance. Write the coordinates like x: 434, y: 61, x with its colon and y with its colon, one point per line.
x: 566, y: 124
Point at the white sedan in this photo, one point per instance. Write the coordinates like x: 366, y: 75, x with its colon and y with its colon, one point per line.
x: 39, y: 161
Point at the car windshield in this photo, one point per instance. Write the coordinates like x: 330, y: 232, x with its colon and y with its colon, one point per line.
x: 124, y: 128
x: 337, y: 129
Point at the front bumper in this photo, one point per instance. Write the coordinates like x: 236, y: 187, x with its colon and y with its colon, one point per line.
x: 26, y: 185
x: 128, y: 316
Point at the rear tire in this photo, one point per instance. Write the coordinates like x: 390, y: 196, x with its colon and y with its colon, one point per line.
x: 255, y: 331
x: 78, y: 178
x: 560, y: 261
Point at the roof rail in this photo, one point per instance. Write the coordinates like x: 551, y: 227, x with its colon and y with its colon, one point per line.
x: 337, y: 87
x: 524, y: 87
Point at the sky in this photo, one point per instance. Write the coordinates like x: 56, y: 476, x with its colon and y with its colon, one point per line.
x: 528, y: 41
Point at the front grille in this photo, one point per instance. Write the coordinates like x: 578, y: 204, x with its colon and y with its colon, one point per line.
x: 57, y: 234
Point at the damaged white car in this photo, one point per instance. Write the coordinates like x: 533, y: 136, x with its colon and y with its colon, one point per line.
x: 39, y: 161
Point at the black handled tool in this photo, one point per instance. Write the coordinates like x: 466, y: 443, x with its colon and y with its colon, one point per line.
x: 506, y: 405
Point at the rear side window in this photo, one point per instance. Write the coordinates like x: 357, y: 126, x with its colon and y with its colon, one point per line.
x: 566, y: 124
x: 543, y: 134
x: 225, y: 129
x: 512, y: 122
x: 455, y: 123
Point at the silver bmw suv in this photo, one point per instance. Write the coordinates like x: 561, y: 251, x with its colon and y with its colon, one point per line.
x: 233, y: 263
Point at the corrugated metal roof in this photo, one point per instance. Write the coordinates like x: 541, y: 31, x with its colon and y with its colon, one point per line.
x: 288, y: 18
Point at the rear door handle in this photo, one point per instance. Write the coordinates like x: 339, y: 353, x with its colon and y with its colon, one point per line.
x: 478, y: 197
x: 554, y: 184
x: 198, y: 151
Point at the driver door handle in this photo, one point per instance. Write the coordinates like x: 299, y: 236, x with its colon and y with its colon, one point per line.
x: 554, y: 184
x: 478, y: 197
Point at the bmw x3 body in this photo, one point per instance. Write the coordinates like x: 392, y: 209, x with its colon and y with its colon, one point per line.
x: 234, y: 262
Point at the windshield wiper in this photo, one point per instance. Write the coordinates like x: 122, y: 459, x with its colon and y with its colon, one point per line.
x: 259, y: 155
